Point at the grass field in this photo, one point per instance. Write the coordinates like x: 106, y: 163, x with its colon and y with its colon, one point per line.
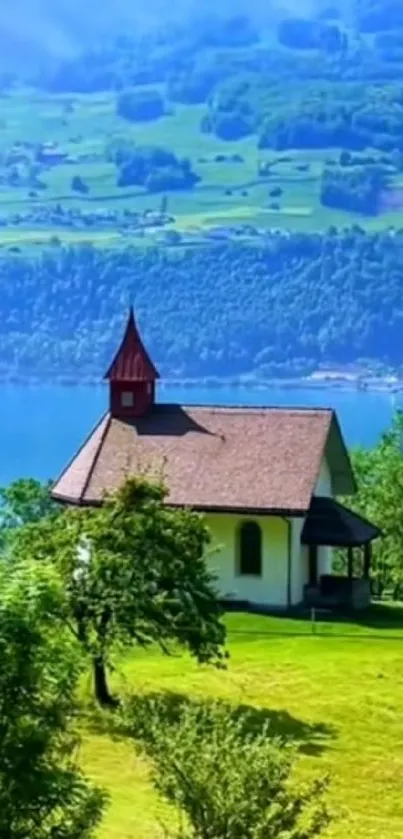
x: 229, y: 193
x: 337, y: 694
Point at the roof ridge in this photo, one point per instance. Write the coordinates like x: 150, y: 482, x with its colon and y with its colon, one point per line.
x: 253, y: 409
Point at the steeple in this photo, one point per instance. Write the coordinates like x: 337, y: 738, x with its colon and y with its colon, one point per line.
x: 131, y: 376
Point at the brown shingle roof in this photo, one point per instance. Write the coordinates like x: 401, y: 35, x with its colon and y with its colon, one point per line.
x: 256, y: 459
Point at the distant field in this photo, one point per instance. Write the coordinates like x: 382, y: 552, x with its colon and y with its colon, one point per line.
x: 229, y: 193
x: 337, y: 695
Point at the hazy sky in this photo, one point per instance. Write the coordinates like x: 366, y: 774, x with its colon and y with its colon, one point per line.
x: 59, y: 26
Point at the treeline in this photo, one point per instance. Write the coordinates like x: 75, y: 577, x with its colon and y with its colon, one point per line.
x: 223, y: 310
x: 319, y: 115
x: 191, y: 58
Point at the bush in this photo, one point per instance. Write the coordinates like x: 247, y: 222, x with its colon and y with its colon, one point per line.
x: 230, y: 778
x: 140, y: 105
x: 155, y: 168
x: 79, y: 185
x: 170, y: 178
x: 356, y: 189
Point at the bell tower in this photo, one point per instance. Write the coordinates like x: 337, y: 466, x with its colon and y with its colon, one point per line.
x: 131, y: 376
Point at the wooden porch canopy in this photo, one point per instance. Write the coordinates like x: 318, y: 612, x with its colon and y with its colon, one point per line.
x: 330, y: 524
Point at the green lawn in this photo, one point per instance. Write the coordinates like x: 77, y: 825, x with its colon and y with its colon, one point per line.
x: 338, y: 694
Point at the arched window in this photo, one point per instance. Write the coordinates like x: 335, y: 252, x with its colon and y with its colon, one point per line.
x: 250, y: 549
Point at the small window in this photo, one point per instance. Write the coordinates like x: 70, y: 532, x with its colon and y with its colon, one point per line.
x: 127, y: 399
x: 250, y: 549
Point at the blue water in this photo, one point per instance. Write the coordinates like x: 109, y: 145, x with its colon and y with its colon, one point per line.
x: 42, y: 427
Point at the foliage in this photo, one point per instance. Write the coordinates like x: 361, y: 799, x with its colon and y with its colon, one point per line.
x: 231, y: 782
x: 151, y: 166
x: 78, y: 184
x: 302, y: 33
x: 134, y: 572
x: 23, y: 502
x: 268, y: 308
x: 140, y: 105
x: 379, y: 473
x: 358, y: 190
x: 43, y: 794
x: 336, y: 115
x: 26, y: 501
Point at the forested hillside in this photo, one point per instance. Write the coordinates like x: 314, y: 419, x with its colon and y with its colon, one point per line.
x: 224, y: 310
x: 236, y: 171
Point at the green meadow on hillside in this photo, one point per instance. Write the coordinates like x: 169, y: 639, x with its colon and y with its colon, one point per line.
x: 230, y: 193
x: 337, y: 694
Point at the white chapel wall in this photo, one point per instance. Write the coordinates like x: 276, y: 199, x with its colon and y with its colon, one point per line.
x: 271, y: 588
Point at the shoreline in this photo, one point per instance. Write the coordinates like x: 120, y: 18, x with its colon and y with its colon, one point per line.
x: 372, y: 384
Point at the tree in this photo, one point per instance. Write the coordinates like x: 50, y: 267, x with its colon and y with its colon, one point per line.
x: 231, y: 781
x: 43, y: 794
x: 156, y: 168
x: 379, y: 474
x: 140, y: 105
x: 358, y: 189
x: 24, y: 502
x: 134, y: 572
x: 78, y: 184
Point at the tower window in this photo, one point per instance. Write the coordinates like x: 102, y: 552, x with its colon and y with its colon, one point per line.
x: 127, y: 399
x: 250, y: 549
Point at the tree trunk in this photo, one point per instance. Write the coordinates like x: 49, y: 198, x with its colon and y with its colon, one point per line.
x: 101, y: 685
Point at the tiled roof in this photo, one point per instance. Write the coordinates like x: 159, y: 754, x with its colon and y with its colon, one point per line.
x: 256, y: 459
x: 132, y: 362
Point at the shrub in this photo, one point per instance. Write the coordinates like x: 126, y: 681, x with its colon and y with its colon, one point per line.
x: 140, y: 105
x: 230, y: 779
x: 155, y: 168
x: 79, y: 185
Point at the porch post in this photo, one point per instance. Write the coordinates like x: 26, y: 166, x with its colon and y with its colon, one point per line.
x: 350, y: 563
x: 367, y: 559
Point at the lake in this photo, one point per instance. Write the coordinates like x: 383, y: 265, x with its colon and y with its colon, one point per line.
x: 41, y: 427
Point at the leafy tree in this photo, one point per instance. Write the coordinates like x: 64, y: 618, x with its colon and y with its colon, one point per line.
x: 267, y: 307
x: 139, y: 105
x: 155, y: 168
x: 78, y: 184
x: 379, y: 473
x: 43, y: 794
x: 134, y: 572
x: 229, y: 781
x: 24, y: 502
x: 359, y: 189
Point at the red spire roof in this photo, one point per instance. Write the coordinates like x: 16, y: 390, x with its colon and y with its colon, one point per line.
x: 132, y: 362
